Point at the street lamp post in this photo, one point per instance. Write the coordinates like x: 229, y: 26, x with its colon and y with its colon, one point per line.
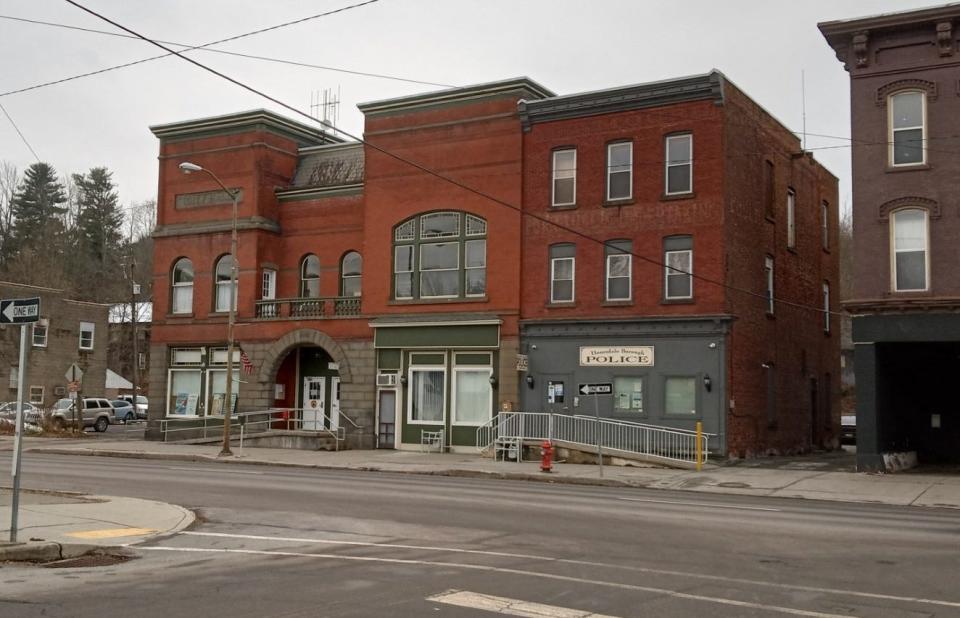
x: 188, y: 168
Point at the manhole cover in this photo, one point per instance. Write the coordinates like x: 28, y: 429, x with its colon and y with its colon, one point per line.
x: 94, y: 560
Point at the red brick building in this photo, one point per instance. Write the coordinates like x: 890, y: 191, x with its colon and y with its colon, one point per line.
x: 456, y: 282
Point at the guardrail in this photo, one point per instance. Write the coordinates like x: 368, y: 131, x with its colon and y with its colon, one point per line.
x: 318, y: 308
x: 616, y: 437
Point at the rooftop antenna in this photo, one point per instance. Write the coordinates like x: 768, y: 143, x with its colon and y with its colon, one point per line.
x: 803, y: 107
x: 325, y: 106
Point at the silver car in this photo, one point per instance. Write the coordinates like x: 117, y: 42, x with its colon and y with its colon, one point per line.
x: 97, y: 413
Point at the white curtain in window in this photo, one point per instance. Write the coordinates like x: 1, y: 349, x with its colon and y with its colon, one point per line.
x: 472, y: 396
x: 428, y: 388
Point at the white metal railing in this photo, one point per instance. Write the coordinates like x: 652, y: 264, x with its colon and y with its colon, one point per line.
x: 616, y: 437
x: 256, y: 422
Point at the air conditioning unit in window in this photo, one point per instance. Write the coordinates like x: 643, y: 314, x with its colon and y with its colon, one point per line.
x: 386, y: 379
x: 59, y: 391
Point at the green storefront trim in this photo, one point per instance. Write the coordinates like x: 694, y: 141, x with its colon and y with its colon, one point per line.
x: 457, y: 336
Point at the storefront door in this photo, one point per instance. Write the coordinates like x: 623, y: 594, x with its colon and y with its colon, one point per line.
x: 387, y: 415
x: 313, y: 403
x: 334, y: 403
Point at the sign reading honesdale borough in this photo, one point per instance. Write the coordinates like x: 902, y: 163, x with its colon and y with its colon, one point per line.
x: 624, y: 356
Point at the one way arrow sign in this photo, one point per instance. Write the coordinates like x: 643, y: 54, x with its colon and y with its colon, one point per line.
x: 19, y: 310
x: 605, y: 388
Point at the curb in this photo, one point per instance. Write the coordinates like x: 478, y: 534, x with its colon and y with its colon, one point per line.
x: 48, y: 551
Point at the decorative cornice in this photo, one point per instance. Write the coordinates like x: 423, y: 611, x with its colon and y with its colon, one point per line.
x: 523, y: 87
x: 945, y: 38
x: 262, y: 119
x: 213, y: 227
x: 884, y: 91
x: 860, y: 51
x: 654, y: 94
x: 931, y: 206
x: 307, y: 193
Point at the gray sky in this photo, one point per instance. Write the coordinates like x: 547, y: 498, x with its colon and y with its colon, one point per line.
x: 567, y: 45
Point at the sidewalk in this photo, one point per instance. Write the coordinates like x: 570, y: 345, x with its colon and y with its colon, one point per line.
x: 797, y: 479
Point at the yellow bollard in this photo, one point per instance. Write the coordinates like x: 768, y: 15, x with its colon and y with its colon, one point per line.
x: 699, y: 446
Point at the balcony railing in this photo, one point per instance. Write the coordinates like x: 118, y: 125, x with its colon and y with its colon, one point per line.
x: 308, y: 308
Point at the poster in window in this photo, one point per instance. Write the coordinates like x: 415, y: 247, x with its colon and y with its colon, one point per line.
x: 180, y: 404
x: 192, y: 400
x: 554, y: 392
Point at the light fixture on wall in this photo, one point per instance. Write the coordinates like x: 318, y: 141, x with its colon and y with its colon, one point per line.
x: 529, y: 380
x: 403, y: 380
x: 493, y: 381
x: 707, y: 382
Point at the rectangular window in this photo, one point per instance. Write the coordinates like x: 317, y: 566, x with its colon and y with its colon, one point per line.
x: 564, y: 178
x: 268, y: 286
x: 36, y: 395
x: 217, y: 392
x: 86, y: 335
x: 826, y: 307
x: 40, y: 330
x: 475, y: 262
x: 680, y: 396
x: 628, y: 394
x: 218, y: 356
x: 791, y: 219
x: 907, y: 128
x: 679, y: 281
x: 439, y: 270
x: 619, y: 270
x: 561, y: 279
x: 403, y: 271
x: 768, y: 189
x: 186, y: 356
x: 472, y: 398
x: 223, y: 296
x: 427, y: 391
x: 679, y: 173
x: 825, y: 224
x: 620, y: 171
x: 909, y: 250
x: 184, y: 393
x: 768, y: 270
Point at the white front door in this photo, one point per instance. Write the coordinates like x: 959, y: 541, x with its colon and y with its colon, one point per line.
x: 334, y: 403
x: 313, y: 403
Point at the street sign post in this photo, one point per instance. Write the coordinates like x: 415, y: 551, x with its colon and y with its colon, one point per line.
x: 22, y: 311
x: 597, y: 389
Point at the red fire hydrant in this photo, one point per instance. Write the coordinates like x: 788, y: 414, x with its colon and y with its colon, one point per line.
x: 546, y: 456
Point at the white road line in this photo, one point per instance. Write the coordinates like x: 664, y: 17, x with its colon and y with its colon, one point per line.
x: 712, y: 505
x: 479, y: 567
x: 636, y: 569
x: 509, y: 607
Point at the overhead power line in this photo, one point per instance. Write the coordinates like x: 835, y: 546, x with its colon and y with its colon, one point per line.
x: 204, y: 48
x: 445, y: 178
x: 20, y: 133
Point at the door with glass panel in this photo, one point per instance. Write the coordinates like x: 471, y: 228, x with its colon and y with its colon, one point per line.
x: 334, y: 403
x: 387, y: 418
x: 313, y: 403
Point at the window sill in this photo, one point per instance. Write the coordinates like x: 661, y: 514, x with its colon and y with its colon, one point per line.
x: 626, y: 201
x: 617, y: 303
x: 670, y: 197
x: 438, y: 301
x: 553, y: 207
x: 678, y: 301
x: 561, y: 305
x: 893, y: 169
x: 174, y: 316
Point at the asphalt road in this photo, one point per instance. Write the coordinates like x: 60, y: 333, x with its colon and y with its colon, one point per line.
x: 286, y: 542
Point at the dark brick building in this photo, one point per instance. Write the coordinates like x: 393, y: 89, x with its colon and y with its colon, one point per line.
x: 456, y: 282
x: 906, y: 286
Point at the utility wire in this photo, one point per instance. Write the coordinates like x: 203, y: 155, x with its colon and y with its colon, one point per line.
x: 197, y: 48
x: 189, y: 48
x: 20, y: 133
x: 445, y: 178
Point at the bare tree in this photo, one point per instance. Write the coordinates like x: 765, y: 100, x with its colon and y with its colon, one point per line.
x: 9, y: 180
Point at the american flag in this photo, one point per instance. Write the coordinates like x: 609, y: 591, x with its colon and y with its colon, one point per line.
x: 245, y: 363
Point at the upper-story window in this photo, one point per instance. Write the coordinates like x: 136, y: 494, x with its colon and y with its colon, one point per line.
x: 619, y: 269
x: 678, y: 268
x: 620, y: 171
x: 562, y: 273
x: 768, y: 273
x: 182, y: 293
x: 564, y: 191
x: 679, y: 163
x: 826, y: 307
x: 223, y: 295
x: 310, y: 277
x: 351, y: 270
x: 86, y: 335
x: 908, y: 115
x: 440, y: 255
x: 769, y: 178
x: 825, y: 224
x: 40, y: 330
x: 791, y: 218
x: 268, y: 284
x: 911, y: 255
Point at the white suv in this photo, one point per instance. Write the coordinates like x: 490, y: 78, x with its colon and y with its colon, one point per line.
x: 96, y: 413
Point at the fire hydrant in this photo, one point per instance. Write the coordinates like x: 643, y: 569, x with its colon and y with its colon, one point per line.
x: 546, y: 456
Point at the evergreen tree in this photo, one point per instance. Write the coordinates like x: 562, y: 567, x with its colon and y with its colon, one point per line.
x: 38, y: 207
x: 99, y: 224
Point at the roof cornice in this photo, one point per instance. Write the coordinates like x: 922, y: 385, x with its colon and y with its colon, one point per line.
x: 890, y: 20
x: 523, y: 87
x: 302, y: 134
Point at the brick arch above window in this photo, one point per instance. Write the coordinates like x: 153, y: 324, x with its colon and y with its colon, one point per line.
x: 923, y: 85
x: 931, y: 206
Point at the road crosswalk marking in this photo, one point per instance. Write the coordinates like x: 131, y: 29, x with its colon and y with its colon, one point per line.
x: 509, y: 607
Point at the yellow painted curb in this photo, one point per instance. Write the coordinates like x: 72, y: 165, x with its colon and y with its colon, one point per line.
x: 111, y: 533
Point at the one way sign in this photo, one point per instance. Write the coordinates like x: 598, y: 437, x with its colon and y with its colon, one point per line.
x: 604, y: 388
x: 19, y: 310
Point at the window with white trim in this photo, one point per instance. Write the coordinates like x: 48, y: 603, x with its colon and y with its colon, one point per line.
x: 679, y: 164
x: 678, y: 267
x: 472, y: 391
x: 268, y: 284
x: 223, y: 274
x: 768, y: 272
x: 40, y: 330
x: 826, y: 307
x: 619, y: 171
x: 562, y: 273
x: 825, y: 224
x: 564, y: 192
x: 907, y: 128
x: 440, y: 255
x: 36, y: 395
x: 182, y: 292
x: 351, y: 271
x: 86, y: 335
x: 909, y: 237
x: 619, y: 270
x: 791, y: 218
x: 427, y: 388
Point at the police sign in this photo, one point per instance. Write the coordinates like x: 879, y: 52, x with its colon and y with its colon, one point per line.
x: 19, y: 310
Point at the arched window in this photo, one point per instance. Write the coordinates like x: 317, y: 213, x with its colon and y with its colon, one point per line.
x: 222, y: 278
x: 908, y: 116
x: 909, y: 242
x: 182, y: 292
x: 351, y: 270
x: 440, y: 255
x: 310, y: 277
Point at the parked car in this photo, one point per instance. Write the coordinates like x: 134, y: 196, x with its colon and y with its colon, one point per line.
x: 31, y: 413
x: 123, y: 411
x: 141, y: 404
x: 848, y: 429
x: 97, y: 413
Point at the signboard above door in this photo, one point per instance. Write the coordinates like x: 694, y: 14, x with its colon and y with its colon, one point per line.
x: 619, y: 356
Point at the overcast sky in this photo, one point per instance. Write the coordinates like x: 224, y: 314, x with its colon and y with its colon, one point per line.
x: 566, y: 45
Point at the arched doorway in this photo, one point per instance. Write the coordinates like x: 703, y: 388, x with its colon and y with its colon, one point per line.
x: 308, y: 382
